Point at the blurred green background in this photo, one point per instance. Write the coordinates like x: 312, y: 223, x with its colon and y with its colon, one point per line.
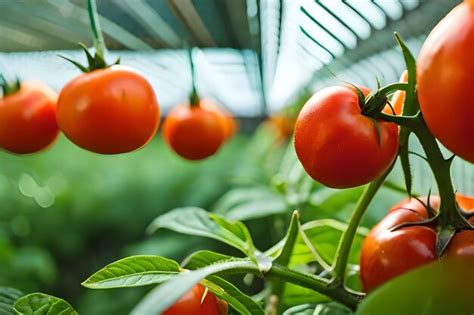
x: 65, y: 212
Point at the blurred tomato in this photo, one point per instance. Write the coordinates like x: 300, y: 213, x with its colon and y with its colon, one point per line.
x: 28, y: 119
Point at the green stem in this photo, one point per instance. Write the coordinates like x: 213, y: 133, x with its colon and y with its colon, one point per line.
x: 283, y: 259
x: 450, y: 218
x: 97, y: 38
x: 344, y: 247
x: 337, y: 293
x: 194, y: 97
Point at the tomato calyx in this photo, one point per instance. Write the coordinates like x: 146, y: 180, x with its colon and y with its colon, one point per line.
x: 9, y: 87
x: 96, y: 61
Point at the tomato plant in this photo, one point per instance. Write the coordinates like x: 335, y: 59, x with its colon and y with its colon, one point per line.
x: 109, y: 109
x: 445, y: 82
x: 345, y: 136
x: 27, y: 117
x: 337, y: 145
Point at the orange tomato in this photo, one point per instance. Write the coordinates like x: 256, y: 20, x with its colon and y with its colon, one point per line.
x: 228, y: 122
x: 28, y: 119
x: 193, y: 132
x: 109, y: 111
x: 398, y: 98
x: 445, y: 81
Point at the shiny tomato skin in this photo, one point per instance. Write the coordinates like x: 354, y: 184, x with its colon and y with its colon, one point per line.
x: 229, y: 124
x: 337, y: 145
x: 193, y: 304
x: 194, y: 133
x: 28, y: 119
x: 386, y: 254
x: 109, y: 111
x: 445, y: 79
x: 462, y: 244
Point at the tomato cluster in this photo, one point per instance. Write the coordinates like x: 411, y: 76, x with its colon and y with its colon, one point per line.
x: 388, y: 251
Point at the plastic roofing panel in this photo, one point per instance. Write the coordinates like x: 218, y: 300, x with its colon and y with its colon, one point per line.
x: 281, y: 46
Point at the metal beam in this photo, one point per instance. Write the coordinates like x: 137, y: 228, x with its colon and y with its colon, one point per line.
x: 152, y: 22
x: 187, y: 14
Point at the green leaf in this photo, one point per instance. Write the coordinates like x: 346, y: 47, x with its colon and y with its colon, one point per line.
x: 196, y: 221
x: 284, y: 256
x: 324, y: 236
x: 332, y: 308
x: 204, y: 258
x: 40, y: 303
x: 162, y: 297
x: 133, y: 271
x: 250, y: 203
x: 8, y: 296
x: 440, y: 288
x: 302, y: 309
x: 411, y: 106
x: 238, y: 300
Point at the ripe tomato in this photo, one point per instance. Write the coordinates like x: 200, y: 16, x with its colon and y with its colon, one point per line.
x: 337, y: 145
x: 192, y: 303
x: 228, y: 122
x: 462, y: 244
x: 386, y: 254
x: 28, y: 119
x: 444, y: 74
x: 193, y: 132
x: 281, y: 125
x: 112, y: 110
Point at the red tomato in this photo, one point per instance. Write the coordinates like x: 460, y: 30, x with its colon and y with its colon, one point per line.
x: 228, y: 122
x: 445, y: 81
x: 193, y: 132
x: 109, y: 111
x: 28, y: 119
x: 337, y: 145
x: 386, y: 254
x: 462, y: 244
x: 192, y: 303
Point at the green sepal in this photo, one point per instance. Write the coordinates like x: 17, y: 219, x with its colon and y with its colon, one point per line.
x: 94, y: 62
x: 377, y: 130
x: 403, y: 152
x: 9, y: 88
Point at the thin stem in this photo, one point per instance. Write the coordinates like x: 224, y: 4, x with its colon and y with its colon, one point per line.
x: 344, y: 247
x: 406, y: 121
x: 339, y: 294
x: 386, y: 90
x: 449, y: 215
x: 194, y: 97
x: 97, y: 36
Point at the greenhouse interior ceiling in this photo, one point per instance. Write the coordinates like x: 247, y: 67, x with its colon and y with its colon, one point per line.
x: 254, y: 56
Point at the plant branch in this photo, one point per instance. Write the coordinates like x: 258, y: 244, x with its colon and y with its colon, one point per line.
x: 344, y: 247
x: 97, y: 38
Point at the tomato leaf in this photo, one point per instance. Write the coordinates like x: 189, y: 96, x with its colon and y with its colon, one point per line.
x: 443, y: 287
x: 40, y: 303
x: 238, y: 300
x: 411, y: 106
x: 203, y: 258
x: 197, y: 221
x: 8, y: 296
x: 133, y: 271
x: 162, y: 297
